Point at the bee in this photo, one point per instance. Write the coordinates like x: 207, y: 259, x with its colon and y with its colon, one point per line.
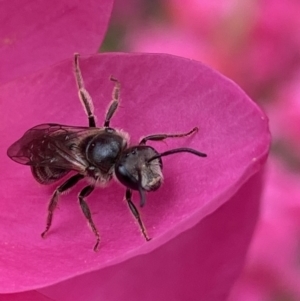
x: 96, y: 153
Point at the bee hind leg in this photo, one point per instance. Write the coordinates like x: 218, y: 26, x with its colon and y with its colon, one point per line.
x: 113, y: 106
x: 83, y: 94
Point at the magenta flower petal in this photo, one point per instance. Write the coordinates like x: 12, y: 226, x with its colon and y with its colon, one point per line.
x: 202, y: 218
x: 268, y: 273
x: 35, y: 34
x: 25, y: 296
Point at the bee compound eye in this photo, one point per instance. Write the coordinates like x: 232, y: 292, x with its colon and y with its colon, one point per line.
x: 126, y: 176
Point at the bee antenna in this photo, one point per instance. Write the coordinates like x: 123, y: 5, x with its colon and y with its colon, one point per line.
x: 178, y: 150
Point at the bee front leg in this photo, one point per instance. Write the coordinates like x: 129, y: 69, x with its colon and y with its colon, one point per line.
x: 160, y: 137
x: 87, y: 213
x: 54, y: 200
x: 136, y: 213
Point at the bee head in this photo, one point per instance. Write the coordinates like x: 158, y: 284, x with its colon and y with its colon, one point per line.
x: 140, y: 168
x: 135, y: 170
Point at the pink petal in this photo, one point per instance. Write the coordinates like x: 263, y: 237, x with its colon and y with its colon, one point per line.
x: 201, y: 220
x: 35, y: 34
x: 270, y: 268
x: 25, y: 296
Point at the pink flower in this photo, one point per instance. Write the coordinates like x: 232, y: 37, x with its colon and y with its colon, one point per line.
x: 285, y: 114
x: 256, y: 43
x: 271, y: 269
x: 202, y: 218
x: 155, y: 38
x: 35, y: 34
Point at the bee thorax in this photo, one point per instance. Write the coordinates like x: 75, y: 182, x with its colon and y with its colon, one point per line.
x: 97, y: 177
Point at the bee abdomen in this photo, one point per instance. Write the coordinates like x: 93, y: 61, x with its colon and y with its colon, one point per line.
x: 47, y: 175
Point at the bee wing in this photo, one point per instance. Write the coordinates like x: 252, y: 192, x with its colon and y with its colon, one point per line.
x: 52, y: 145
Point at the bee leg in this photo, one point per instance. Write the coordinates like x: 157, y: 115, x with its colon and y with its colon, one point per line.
x: 86, y: 191
x: 160, y: 137
x: 83, y: 94
x: 54, y: 200
x: 114, y: 103
x: 135, y: 213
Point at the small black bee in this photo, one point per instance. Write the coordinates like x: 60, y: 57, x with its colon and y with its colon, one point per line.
x: 54, y: 150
